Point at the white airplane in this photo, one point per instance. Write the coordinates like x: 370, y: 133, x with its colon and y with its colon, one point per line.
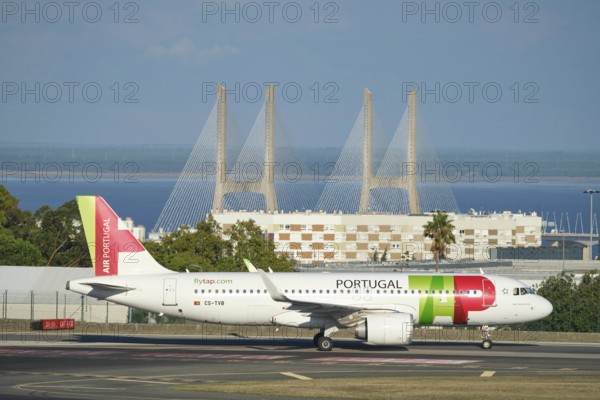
x: 383, y: 308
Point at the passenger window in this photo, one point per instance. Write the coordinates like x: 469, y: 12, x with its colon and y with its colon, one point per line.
x: 523, y: 291
x: 516, y: 291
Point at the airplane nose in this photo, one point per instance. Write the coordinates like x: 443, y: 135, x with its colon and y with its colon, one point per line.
x: 545, y: 307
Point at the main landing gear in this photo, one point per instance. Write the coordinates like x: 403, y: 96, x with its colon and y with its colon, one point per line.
x: 485, y: 335
x: 322, y: 339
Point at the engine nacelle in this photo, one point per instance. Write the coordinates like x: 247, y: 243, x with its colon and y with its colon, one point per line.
x: 386, y: 329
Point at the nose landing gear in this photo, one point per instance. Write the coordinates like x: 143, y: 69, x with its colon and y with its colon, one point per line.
x: 485, y: 336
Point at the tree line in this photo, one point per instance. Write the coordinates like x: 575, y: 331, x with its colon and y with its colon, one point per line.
x: 576, y: 305
x: 45, y: 237
x: 55, y: 237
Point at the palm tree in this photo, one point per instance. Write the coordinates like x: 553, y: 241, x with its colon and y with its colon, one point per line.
x: 440, y: 230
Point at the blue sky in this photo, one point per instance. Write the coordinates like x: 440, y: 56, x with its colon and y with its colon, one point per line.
x: 544, y: 59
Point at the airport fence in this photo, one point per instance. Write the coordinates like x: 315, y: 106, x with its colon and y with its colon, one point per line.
x: 36, y: 305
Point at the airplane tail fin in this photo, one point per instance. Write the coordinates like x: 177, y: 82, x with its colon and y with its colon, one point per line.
x: 113, y: 248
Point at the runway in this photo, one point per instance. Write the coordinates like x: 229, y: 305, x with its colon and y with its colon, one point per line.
x: 146, y: 367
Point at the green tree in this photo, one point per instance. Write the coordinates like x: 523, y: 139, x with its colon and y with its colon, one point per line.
x: 249, y: 241
x: 20, y: 223
x: 201, y: 249
x: 15, y: 251
x: 205, y: 249
x: 440, y: 231
x: 384, y: 256
x: 375, y: 256
x: 60, y: 237
x: 16, y: 228
x: 558, y: 290
x: 586, y: 304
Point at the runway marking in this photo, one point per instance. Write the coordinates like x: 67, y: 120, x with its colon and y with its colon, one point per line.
x: 392, y: 360
x: 140, y: 381
x: 568, y: 369
x: 265, y: 357
x: 297, y: 376
x: 50, y: 353
x: 487, y: 374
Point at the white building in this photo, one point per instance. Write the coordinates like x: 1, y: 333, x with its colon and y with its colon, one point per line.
x: 138, y: 231
x: 321, y: 237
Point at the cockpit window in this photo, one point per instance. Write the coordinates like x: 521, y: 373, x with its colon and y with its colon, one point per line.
x: 522, y: 291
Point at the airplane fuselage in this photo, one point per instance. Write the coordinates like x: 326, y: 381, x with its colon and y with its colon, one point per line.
x: 242, y: 298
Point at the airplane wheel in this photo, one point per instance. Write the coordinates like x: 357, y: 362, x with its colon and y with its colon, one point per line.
x: 316, y: 338
x: 325, y: 343
x: 486, y: 344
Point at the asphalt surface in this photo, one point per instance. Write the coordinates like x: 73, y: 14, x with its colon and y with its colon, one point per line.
x: 147, y: 367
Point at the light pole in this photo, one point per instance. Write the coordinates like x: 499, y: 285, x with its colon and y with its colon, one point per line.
x: 563, y: 246
x: 591, y: 192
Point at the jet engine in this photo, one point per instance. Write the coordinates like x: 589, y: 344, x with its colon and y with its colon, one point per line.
x: 386, y: 329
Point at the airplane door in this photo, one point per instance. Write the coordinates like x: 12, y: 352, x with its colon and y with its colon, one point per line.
x: 170, y: 292
x: 489, y: 293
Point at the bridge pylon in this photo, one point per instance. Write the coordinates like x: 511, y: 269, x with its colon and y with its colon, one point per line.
x: 224, y: 184
x: 407, y: 181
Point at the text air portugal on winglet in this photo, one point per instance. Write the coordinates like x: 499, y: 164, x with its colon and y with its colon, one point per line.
x: 380, y: 313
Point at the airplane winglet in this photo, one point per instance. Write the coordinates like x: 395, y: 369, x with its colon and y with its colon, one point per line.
x: 251, y: 268
x: 275, y: 294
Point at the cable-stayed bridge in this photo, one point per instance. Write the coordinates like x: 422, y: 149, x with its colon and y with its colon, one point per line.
x: 370, y: 175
